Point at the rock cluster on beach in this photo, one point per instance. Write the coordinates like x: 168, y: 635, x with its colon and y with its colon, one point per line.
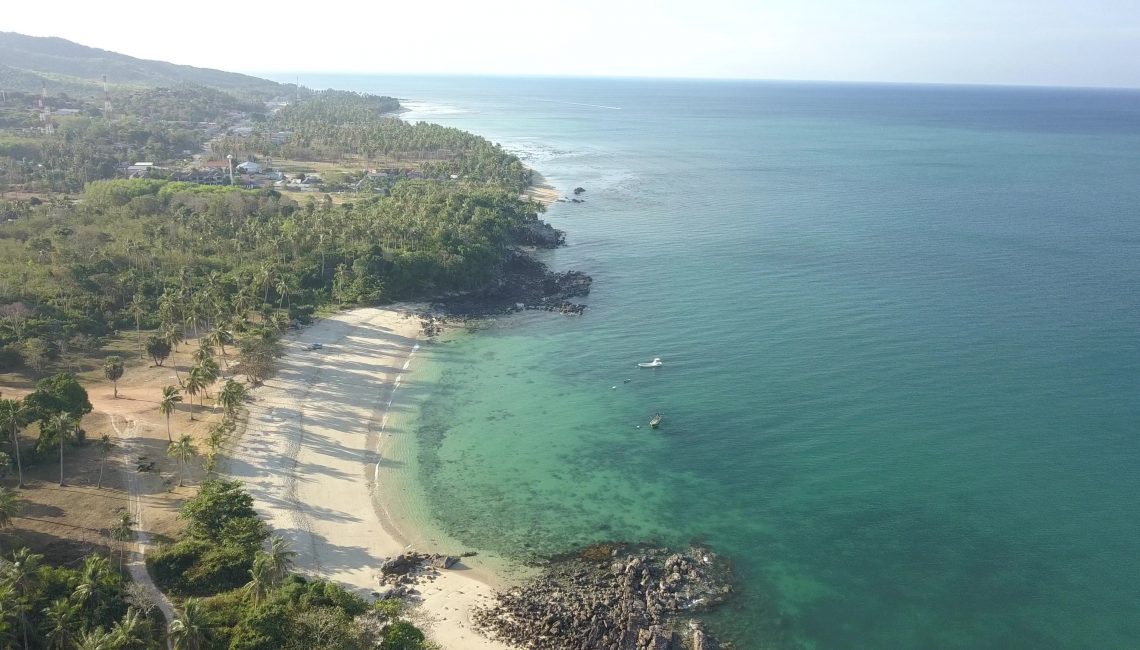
x: 399, y: 575
x: 608, y: 599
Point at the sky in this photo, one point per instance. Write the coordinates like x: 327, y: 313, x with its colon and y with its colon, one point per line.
x: 1021, y: 42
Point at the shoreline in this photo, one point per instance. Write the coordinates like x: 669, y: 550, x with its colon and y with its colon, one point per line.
x: 542, y: 191
x: 344, y: 523
x: 313, y: 455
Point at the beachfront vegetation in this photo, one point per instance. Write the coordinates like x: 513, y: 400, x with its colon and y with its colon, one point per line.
x: 234, y: 263
x: 87, y: 254
x: 45, y: 606
x: 239, y: 592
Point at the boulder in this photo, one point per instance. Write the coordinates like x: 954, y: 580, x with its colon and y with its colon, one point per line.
x: 399, y: 565
x: 654, y: 638
x: 444, y: 561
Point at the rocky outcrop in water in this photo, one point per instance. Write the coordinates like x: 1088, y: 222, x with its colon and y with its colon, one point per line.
x: 523, y: 283
x: 540, y: 234
x: 607, y: 598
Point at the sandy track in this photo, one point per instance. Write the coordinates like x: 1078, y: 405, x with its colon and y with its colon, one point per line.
x: 129, y: 436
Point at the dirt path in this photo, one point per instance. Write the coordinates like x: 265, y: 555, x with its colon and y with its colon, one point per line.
x: 131, y: 449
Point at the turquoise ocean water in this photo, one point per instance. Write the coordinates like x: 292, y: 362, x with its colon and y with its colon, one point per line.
x: 901, y: 329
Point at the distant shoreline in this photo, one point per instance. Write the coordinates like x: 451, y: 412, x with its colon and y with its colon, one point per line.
x: 542, y: 191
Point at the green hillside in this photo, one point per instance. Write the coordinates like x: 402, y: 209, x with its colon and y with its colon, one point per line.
x: 30, y: 62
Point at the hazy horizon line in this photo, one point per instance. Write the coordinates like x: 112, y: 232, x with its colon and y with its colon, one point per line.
x: 489, y: 75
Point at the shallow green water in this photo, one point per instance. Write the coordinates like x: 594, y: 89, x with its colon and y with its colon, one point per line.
x: 900, y: 334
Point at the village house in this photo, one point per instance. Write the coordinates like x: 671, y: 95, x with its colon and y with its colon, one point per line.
x: 140, y: 170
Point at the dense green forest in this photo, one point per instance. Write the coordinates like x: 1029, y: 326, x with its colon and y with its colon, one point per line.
x: 83, y: 149
x: 93, y: 606
x: 149, y: 253
x: 186, y: 103
x: 92, y: 254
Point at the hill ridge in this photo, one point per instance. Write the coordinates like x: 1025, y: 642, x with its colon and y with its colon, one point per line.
x: 60, y: 65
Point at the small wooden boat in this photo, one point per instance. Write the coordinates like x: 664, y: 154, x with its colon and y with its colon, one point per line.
x: 655, y: 421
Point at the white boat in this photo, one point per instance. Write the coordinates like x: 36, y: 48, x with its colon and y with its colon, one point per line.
x: 651, y: 364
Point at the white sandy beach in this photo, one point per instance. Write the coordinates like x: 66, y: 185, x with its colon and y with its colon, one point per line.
x: 309, y: 453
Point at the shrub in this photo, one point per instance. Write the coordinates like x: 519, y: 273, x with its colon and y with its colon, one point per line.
x: 264, y: 628
x: 169, y: 563
x: 326, y: 594
x: 403, y: 636
x: 222, y: 568
x: 10, y: 358
x: 217, y: 502
x: 195, y: 567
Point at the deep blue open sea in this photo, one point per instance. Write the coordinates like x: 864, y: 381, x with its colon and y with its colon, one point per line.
x: 901, y: 334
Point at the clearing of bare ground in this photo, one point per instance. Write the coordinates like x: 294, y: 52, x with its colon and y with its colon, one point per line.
x: 613, y: 597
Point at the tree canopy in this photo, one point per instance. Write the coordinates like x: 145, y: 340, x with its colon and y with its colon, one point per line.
x: 57, y: 394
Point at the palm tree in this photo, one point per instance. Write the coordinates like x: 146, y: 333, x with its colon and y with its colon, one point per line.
x: 195, y: 384
x: 173, y: 336
x: 96, y: 639
x: 241, y: 304
x: 137, y: 308
x: 9, y: 610
x: 61, y: 622
x: 64, y: 426
x: 279, y: 559
x: 10, y: 506
x: 181, y: 450
x: 23, y: 576
x: 188, y: 629
x: 264, y: 274
x: 260, y: 579
x: 231, y: 397
x: 282, y: 291
x: 113, y: 370
x: 105, y: 447
x: 121, y: 532
x: 127, y: 632
x: 13, y: 414
x: 209, y: 370
x: 170, y: 399
x: 217, y: 433
x: 202, y: 353
x: 219, y: 337
x: 92, y: 581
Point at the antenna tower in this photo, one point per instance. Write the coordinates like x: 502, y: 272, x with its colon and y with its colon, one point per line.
x: 45, y: 112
